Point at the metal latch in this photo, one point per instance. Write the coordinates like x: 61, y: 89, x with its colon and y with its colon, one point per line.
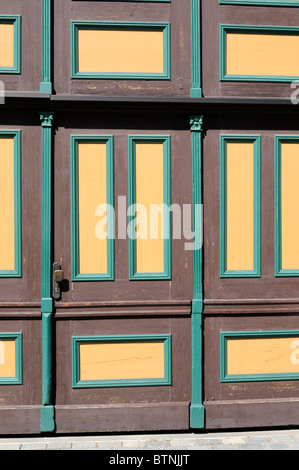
x: 58, y: 277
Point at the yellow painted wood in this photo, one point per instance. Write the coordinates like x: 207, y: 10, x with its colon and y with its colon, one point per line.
x: 92, y: 193
x: 6, y: 45
x: 7, y: 358
x: 240, y: 203
x: 262, y: 54
x: 124, y: 51
x: 7, y: 211
x: 262, y: 355
x: 289, y: 205
x: 150, y: 196
x: 113, y: 361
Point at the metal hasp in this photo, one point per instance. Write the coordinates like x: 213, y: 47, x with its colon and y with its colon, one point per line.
x: 58, y: 277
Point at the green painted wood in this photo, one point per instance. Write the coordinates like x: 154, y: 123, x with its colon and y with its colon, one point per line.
x: 141, y: 26
x: 132, y: 140
x: 47, y: 419
x: 75, y: 140
x: 155, y: 381
x: 46, y: 83
x: 197, y: 411
x: 196, y: 89
x: 256, y: 140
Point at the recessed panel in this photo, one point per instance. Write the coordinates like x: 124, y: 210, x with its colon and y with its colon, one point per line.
x: 7, y: 205
x: 259, y: 53
x: 120, y: 50
x: 6, y: 45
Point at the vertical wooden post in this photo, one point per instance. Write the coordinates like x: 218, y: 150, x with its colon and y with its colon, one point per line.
x: 197, y: 411
x: 47, y: 411
x: 46, y: 83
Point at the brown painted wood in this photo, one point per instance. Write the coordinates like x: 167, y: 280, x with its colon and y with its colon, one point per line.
x: 215, y: 14
x: 30, y: 77
x: 176, y: 12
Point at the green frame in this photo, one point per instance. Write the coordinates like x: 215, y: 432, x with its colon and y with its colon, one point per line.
x: 197, y: 409
x: 196, y: 86
x: 256, y: 140
x: 17, y: 272
x: 77, y: 340
x: 132, y: 139
x: 118, y: 25
x: 278, y: 3
x: 225, y: 335
x: 279, y: 272
x: 75, y: 140
x: 141, y: 1
x: 18, y: 378
x: 223, y: 29
x: 16, y: 21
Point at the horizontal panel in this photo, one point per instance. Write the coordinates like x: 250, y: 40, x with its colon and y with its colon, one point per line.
x: 120, y: 50
x: 258, y: 53
x: 277, y: 3
x: 10, y: 44
x: 107, y: 361
x: 149, y: 201
x: 10, y: 358
x: 239, y: 206
x: 92, y: 204
x: 287, y: 212
x: 10, y: 204
x: 259, y: 355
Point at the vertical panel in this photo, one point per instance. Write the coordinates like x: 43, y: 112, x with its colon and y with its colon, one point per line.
x: 92, y: 208
x: 149, y: 200
x: 287, y: 210
x: 240, y: 206
x: 10, y: 236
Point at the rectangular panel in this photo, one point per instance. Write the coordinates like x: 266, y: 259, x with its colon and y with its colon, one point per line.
x: 10, y: 358
x: 10, y: 45
x: 259, y: 355
x: 286, y: 206
x: 239, y: 206
x: 109, y: 361
x: 277, y: 3
x: 10, y: 204
x: 149, y: 207
x: 258, y: 53
x: 120, y: 50
x: 92, y: 208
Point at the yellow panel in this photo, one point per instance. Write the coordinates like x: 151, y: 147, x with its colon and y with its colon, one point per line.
x: 289, y: 206
x: 113, y: 51
x: 6, y: 45
x: 262, y: 356
x: 7, y: 223
x: 262, y: 54
x: 239, y: 206
x: 149, y: 192
x: 92, y: 193
x: 113, y: 361
x: 7, y: 358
